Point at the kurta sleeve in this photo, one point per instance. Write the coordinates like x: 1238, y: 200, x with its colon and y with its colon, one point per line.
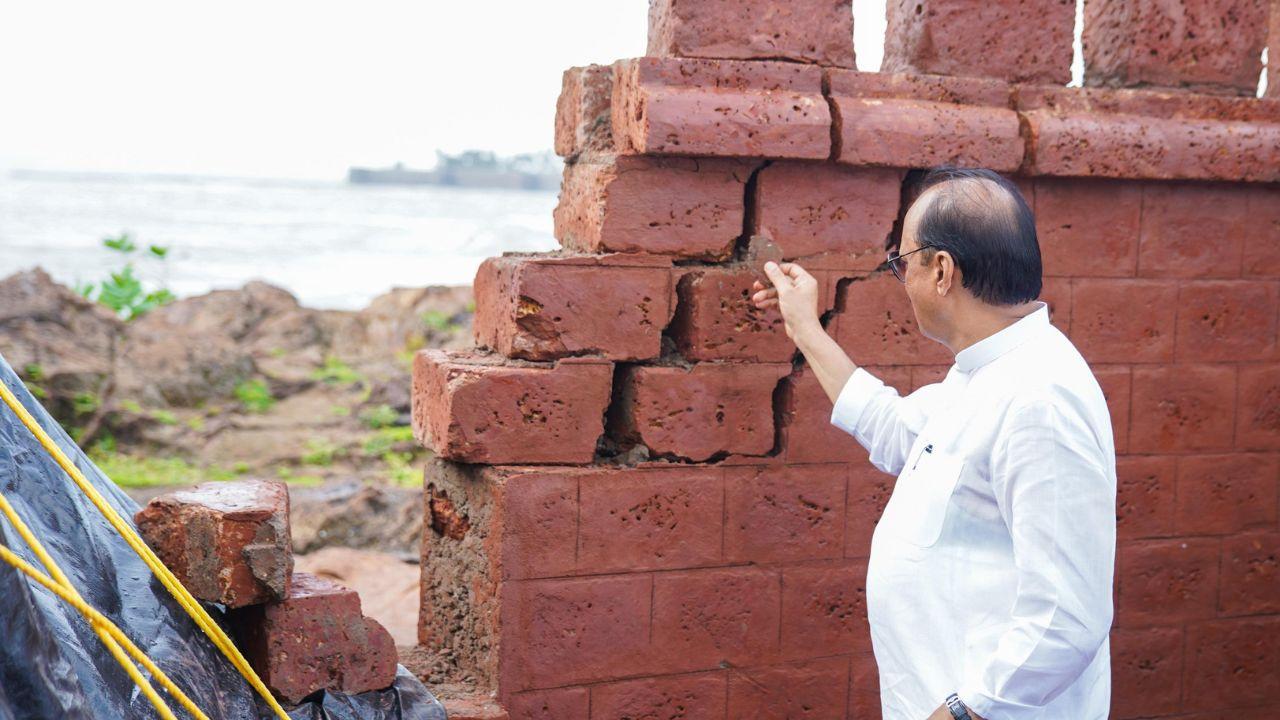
x: 878, y: 418
x: 1055, y: 489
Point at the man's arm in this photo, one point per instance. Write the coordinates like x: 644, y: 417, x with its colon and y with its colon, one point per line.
x: 1055, y: 494
x: 863, y: 406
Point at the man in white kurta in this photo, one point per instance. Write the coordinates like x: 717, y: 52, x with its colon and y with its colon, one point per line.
x: 990, y: 577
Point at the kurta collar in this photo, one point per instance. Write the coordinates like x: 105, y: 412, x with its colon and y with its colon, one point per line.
x: 993, y: 346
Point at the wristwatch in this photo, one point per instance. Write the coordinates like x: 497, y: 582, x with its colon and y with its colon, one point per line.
x: 957, y: 708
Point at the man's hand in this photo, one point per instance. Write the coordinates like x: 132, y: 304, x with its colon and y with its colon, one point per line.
x: 794, y: 292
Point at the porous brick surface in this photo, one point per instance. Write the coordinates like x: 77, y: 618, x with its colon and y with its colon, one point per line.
x: 1208, y: 45
x: 315, y: 638
x: 656, y: 518
x: 227, y: 542
x: 544, y: 308
x: 1018, y: 40
x: 813, y: 31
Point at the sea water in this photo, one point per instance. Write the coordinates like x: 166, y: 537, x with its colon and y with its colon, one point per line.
x: 332, y: 244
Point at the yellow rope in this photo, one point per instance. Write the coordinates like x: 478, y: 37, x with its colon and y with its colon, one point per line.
x: 113, y: 638
x: 166, y: 577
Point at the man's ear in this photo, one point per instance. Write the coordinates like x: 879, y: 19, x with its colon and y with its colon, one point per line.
x: 944, y: 271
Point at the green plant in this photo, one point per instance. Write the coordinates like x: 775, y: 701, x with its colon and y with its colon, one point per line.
x: 123, y: 291
x: 380, y: 416
x: 254, y: 395
x: 385, y: 440
x: 131, y: 471
x: 400, y: 469
x: 438, y: 321
x: 336, y: 372
x: 33, y: 374
x: 285, y: 473
x: 84, y: 403
x: 164, y: 417
x: 320, y: 452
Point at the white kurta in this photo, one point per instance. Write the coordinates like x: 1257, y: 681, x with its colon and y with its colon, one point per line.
x: 991, y: 569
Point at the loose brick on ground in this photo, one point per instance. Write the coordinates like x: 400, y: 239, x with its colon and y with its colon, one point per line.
x: 315, y: 639
x: 227, y: 542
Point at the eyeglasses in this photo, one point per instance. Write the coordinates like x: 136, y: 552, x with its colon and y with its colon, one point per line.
x: 898, y: 265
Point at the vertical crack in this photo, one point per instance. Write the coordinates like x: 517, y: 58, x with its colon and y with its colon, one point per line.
x: 836, y: 122
x: 749, y: 213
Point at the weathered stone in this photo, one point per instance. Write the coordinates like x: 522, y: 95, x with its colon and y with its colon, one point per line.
x: 474, y: 408
x: 1148, y: 102
x: 1019, y: 40
x: 815, y: 208
x: 543, y: 308
x: 1206, y: 45
x: 227, y: 542
x: 674, y: 106
x: 684, y: 207
x: 907, y: 120
x: 1129, y: 146
x: 813, y: 31
x: 698, y: 413
x: 582, y: 112
x: 61, y: 344
x: 315, y: 639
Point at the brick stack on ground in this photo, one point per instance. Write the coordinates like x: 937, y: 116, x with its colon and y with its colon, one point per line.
x: 229, y: 543
x: 639, y: 503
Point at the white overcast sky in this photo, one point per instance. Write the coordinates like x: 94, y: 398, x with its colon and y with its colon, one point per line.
x: 282, y: 88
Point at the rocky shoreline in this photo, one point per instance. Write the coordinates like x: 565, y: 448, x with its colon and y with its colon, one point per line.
x: 244, y: 383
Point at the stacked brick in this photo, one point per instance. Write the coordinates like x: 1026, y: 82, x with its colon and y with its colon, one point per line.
x: 229, y: 543
x: 639, y: 504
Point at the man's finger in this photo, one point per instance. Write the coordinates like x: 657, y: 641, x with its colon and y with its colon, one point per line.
x: 765, y: 294
x: 794, y: 271
x: 776, y: 276
x: 766, y: 304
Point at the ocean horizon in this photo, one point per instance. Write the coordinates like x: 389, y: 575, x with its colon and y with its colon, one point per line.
x: 332, y: 244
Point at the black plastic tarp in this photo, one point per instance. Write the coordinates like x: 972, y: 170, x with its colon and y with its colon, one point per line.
x: 52, y: 665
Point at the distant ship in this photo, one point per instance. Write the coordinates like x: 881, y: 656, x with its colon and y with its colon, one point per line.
x: 473, y: 168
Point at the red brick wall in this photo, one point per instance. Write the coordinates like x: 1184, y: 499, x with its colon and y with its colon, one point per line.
x: 659, y: 520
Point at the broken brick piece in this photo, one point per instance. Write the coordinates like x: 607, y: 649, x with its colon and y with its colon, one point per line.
x: 1205, y: 45
x: 543, y: 308
x: 582, y: 111
x: 1024, y: 41
x: 675, y: 206
x: 473, y: 408
x: 315, y: 639
x: 680, y: 106
x: 708, y: 410
x: 227, y: 542
x: 812, y: 31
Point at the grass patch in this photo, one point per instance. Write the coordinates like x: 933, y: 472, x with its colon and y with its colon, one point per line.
x: 379, y: 416
x: 129, y: 471
x: 336, y: 372
x: 255, y: 396
x: 320, y: 452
